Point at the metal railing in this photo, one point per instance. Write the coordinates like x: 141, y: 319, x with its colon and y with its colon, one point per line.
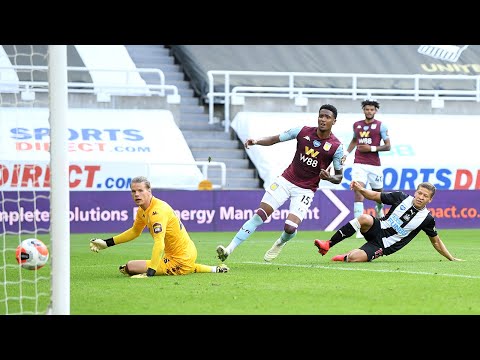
x: 223, y: 174
x: 204, y: 165
x: 102, y: 89
x: 416, y: 87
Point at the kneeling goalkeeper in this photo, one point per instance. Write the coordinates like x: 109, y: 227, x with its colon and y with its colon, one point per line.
x: 173, y: 253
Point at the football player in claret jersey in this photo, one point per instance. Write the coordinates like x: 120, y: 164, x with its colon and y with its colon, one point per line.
x: 406, y: 218
x: 367, y: 137
x: 317, y: 148
x: 173, y: 253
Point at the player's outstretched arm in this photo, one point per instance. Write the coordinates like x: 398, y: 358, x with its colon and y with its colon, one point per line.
x: 441, y: 248
x: 368, y: 194
x: 264, y: 141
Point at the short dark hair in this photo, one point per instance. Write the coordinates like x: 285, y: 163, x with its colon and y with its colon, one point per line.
x: 371, y: 102
x: 332, y: 108
x: 428, y: 186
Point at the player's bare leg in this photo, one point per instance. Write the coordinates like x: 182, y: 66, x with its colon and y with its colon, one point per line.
x: 289, y: 232
x: 379, y: 206
x: 200, y: 268
x: 134, y: 267
x: 358, y: 208
x: 247, y: 229
x: 356, y: 255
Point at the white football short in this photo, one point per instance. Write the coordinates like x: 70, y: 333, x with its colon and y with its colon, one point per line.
x: 280, y: 190
x: 368, y: 175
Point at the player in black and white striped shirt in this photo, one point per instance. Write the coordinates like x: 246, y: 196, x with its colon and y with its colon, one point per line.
x: 407, y: 216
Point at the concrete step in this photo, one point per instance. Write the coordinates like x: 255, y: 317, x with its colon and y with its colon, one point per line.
x: 200, y: 118
x: 216, y: 172
x: 192, y: 109
x: 218, y: 135
x: 166, y: 68
x: 197, y: 126
x: 153, y: 59
x: 238, y: 183
x: 239, y: 164
x: 212, y: 143
x: 154, y: 78
x: 144, y: 50
x: 174, y: 76
x: 179, y: 83
x: 188, y: 100
x: 216, y: 154
x: 185, y: 92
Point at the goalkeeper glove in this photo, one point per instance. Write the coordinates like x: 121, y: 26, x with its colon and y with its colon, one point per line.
x: 98, y: 244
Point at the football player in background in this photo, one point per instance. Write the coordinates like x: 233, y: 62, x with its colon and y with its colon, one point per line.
x: 173, y: 253
x: 317, y: 148
x: 366, y: 168
x: 407, y: 216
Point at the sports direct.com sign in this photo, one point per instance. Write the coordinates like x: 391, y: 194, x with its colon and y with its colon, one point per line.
x: 217, y: 210
x: 106, y: 149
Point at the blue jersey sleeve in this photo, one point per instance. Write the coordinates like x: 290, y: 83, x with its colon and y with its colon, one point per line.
x: 384, y: 131
x: 337, y: 157
x: 290, y: 134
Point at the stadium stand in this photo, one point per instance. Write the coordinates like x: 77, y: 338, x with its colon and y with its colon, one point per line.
x: 436, y: 72
x: 98, y: 59
x: 395, y: 60
x: 23, y: 70
x: 208, y: 133
x: 197, y: 60
x: 32, y: 55
x: 83, y: 89
x: 208, y: 142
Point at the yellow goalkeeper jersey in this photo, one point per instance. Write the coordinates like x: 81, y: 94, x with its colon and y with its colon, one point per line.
x: 168, y: 233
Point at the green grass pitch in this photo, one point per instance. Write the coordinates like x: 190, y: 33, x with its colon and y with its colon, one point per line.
x: 415, y: 281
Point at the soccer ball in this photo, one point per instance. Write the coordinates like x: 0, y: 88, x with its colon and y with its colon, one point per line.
x: 32, y: 254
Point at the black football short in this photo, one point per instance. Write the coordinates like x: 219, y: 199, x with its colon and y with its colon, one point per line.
x: 374, y: 245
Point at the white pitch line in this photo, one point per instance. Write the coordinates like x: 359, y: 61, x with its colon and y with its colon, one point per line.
x: 352, y: 269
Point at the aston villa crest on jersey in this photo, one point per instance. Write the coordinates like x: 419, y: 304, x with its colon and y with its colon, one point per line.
x: 327, y: 146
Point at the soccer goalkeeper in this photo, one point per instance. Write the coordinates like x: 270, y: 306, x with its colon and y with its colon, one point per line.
x: 173, y: 253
